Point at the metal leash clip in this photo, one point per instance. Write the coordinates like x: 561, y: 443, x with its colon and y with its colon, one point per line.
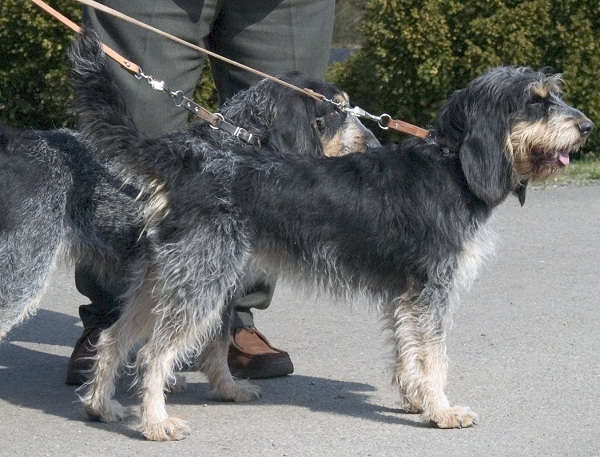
x: 382, y: 120
x: 154, y: 84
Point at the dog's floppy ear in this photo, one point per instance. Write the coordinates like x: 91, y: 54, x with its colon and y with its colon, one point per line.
x: 294, y: 126
x: 484, y: 159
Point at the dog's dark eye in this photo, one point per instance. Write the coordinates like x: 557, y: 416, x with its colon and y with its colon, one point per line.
x: 539, y: 101
x: 539, y: 104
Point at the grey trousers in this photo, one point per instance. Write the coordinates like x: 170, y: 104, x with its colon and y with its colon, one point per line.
x: 273, y: 36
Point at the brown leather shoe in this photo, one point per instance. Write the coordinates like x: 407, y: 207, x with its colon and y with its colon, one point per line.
x: 252, y: 356
x: 80, y: 362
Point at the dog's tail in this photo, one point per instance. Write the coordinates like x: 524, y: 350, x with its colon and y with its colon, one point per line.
x: 103, y: 120
x: 98, y: 105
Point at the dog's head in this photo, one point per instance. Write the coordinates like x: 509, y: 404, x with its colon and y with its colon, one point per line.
x: 510, y: 126
x: 288, y: 120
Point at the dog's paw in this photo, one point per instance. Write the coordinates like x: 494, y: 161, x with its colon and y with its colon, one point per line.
x: 455, y: 417
x: 170, y: 429
x: 245, y: 391
x: 113, y: 411
x: 239, y: 391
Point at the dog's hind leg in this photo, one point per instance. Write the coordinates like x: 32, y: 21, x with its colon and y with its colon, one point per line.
x: 193, y: 279
x: 214, y: 365
x: 419, y: 324
x: 156, y: 361
x: 403, y: 321
x: 113, y: 349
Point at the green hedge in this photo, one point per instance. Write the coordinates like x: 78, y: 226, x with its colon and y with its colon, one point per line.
x: 416, y: 52
x: 33, y: 68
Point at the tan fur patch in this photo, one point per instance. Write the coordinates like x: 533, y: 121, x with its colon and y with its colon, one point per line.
x: 541, y: 90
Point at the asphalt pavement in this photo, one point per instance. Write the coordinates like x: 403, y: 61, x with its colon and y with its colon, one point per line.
x: 524, y: 353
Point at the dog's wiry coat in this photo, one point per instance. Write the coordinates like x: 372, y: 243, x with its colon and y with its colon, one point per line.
x: 404, y: 225
x: 55, y: 193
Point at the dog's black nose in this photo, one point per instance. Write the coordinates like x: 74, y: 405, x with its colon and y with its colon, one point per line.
x: 585, y: 127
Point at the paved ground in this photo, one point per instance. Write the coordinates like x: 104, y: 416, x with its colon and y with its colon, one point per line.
x: 524, y: 354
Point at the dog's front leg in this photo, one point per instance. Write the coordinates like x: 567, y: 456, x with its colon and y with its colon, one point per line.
x: 419, y: 323
x: 436, y: 407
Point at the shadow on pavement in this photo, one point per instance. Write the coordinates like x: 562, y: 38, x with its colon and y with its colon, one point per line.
x: 33, y: 376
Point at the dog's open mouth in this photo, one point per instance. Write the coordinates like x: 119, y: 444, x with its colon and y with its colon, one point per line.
x: 561, y: 158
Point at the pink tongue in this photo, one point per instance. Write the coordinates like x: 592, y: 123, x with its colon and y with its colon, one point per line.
x: 563, y: 157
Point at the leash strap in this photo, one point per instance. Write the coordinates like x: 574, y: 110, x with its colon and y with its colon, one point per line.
x: 405, y: 127
x: 398, y: 125
x: 115, y: 13
x: 216, y: 120
x: 126, y: 64
x: 385, y: 122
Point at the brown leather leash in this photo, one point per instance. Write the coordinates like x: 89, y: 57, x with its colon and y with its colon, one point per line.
x: 405, y: 127
x: 215, y: 119
x: 126, y: 64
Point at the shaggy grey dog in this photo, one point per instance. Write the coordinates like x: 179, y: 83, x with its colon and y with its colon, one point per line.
x: 403, y: 227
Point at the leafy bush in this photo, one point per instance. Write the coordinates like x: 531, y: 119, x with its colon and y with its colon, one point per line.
x: 33, y: 88
x: 416, y: 52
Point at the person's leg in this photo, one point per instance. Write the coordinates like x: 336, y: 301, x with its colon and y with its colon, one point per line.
x: 301, y: 32
x: 177, y: 65
x: 273, y: 36
x: 100, y: 314
x: 153, y: 112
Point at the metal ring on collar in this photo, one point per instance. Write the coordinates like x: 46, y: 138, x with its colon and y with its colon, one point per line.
x: 384, y: 121
x: 178, y: 97
x: 221, y: 119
